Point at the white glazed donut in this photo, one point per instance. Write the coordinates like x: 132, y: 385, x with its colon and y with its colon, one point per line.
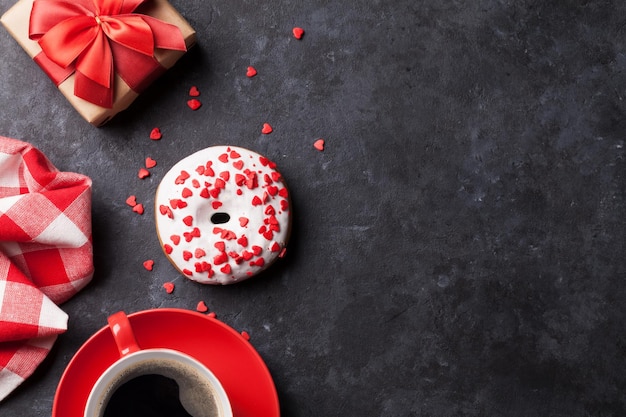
x: 222, y: 214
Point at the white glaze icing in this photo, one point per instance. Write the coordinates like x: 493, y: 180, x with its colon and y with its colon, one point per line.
x: 214, y: 182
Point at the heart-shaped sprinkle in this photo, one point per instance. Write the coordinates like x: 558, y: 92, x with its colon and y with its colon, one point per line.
x: 220, y: 246
x: 150, y: 163
x: 243, y: 221
x: 201, y: 307
x: 319, y: 144
x: 168, y: 249
x: 226, y: 269
x: 243, y: 241
x: 267, y: 129
x: 187, y: 255
x: 199, y: 253
x: 251, y: 72
x: 194, y: 104
x: 216, y: 205
x: 138, y: 209
x: 194, y: 92
x: 186, y: 193
x: 155, y: 134
x: 175, y: 239
x: 212, y: 315
x: 238, y: 164
x: 220, y: 259
x: 148, y: 264
x: 275, y: 247
x: 257, y: 250
x: 298, y: 32
x: 143, y: 173
x: 188, y: 220
x: 169, y: 287
x: 131, y: 201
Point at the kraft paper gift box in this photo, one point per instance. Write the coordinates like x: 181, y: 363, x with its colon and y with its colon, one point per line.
x: 171, y: 36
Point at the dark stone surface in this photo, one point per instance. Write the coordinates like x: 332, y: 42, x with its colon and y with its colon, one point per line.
x: 458, y: 248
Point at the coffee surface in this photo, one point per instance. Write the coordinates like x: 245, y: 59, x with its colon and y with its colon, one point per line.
x: 146, y: 396
x: 159, y: 388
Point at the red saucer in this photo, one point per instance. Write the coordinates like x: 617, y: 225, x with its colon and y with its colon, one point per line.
x: 223, y: 350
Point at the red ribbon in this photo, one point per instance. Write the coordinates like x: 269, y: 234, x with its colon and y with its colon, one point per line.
x: 95, y: 39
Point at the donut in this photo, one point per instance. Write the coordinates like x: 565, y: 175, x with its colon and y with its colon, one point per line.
x: 223, y: 214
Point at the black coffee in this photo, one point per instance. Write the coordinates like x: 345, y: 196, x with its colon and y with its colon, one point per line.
x: 160, y: 387
x: 147, y: 396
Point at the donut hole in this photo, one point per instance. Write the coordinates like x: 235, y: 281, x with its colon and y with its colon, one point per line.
x: 220, y: 218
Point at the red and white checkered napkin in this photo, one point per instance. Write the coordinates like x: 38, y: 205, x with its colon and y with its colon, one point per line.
x: 45, y: 255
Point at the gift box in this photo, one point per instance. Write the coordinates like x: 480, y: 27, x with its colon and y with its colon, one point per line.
x: 101, y: 54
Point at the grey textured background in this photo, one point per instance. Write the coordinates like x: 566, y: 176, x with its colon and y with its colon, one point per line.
x: 458, y: 248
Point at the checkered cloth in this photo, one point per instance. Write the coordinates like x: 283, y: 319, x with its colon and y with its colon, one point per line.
x: 45, y: 255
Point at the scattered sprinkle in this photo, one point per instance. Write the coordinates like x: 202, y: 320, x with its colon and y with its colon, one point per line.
x: 319, y: 144
x: 267, y: 129
x: 143, y: 173
x: 201, y: 307
x: 245, y: 335
x: 194, y: 92
x: 148, y: 264
x: 131, y: 201
x: 155, y: 134
x: 251, y: 72
x: 194, y: 104
x: 150, y: 163
x: 138, y: 208
x: 298, y: 32
x: 169, y: 287
x: 212, y: 315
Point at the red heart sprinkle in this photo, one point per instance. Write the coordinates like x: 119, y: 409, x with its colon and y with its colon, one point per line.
x: 150, y: 163
x: 187, y: 255
x: 188, y: 220
x: 143, y: 173
x: 251, y: 72
x: 186, y: 193
x: 175, y: 239
x: 194, y: 92
x: 148, y: 264
x: 238, y: 164
x: 194, y: 104
x: 131, y: 201
x: 169, y: 287
x: 225, y: 175
x: 212, y: 315
x: 226, y: 269
x: 201, y: 307
x: 199, y: 253
x: 298, y: 32
x: 216, y: 205
x: 155, y: 134
x: 267, y: 129
x: 243, y: 221
x: 257, y: 250
x: 245, y: 335
x: 319, y: 144
x: 138, y: 209
x: 220, y: 246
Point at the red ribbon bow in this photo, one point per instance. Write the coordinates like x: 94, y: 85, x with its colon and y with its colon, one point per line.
x: 96, y: 39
